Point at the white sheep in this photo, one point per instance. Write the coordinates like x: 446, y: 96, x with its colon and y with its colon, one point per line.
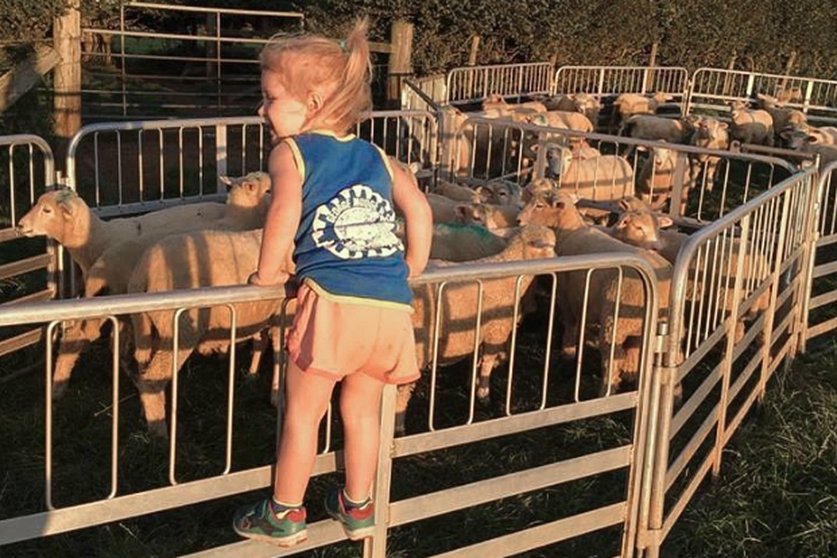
x: 640, y: 226
x: 603, y: 178
x: 622, y: 334
x: 566, y: 120
x: 458, y: 313
x: 750, y: 126
x: 710, y: 133
x: 584, y: 103
x: 109, y: 272
x: 658, y: 177
x: 208, y: 258
x: 629, y: 104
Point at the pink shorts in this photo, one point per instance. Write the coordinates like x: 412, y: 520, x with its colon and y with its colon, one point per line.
x: 335, y: 339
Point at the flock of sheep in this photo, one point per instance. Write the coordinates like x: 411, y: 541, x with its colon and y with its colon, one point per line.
x: 214, y: 244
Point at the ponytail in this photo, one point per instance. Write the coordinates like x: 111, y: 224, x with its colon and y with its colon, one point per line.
x: 339, y: 70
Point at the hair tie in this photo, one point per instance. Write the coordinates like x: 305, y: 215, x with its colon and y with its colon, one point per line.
x: 343, y: 46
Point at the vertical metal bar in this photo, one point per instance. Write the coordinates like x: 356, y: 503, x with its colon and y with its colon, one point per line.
x: 774, y: 293
x: 139, y: 166
x: 726, y: 363
x: 174, y: 384
x: 114, y: 431
x: 475, y: 359
x: 119, y: 163
x: 513, y: 345
x: 230, y: 389
x: 376, y: 545
x: 221, y: 156
x: 50, y: 335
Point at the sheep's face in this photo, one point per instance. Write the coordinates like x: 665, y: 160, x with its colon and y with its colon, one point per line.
x: 550, y: 210
x: 538, y: 242
x: 49, y: 216
x: 248, y: 190
x: 538, y: 187
x: 471, y: 214
x: 558, y: 158
x: 499, y: 192
x: 639, y: 229
x: 632, y: 203
x: 663, y: 158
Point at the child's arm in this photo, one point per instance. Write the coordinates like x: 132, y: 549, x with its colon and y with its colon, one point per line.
x: 282, y: 218
x: 418, y: 219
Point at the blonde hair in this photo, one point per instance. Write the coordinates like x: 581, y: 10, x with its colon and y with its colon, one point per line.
x: 339, y: 72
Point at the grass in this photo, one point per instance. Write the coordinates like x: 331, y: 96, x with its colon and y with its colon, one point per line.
x: 776, y: 494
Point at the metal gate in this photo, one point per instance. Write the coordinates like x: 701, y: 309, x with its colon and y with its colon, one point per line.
x: 610, y: 81
x: 471, y: 84
x: 135, y: 167
x: 27, y: 170
x: 714, y: 88
x: 625, y: 457
x: 735, y: 316
x: 821, y: 301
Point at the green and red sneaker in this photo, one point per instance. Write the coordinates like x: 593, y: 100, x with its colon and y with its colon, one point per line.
x: 357, y: 521
x: 261, y: 522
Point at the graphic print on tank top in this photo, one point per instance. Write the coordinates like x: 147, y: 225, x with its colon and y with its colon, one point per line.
x: 356, y: 223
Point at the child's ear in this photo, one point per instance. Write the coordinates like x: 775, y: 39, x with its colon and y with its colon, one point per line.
x: 315, y: 102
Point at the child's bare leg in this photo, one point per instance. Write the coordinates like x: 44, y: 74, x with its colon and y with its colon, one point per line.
x: 360, y: 406
x: 306, y: 402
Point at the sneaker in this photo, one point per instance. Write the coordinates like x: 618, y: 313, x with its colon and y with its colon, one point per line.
x: 258, y: 521
x: 358, y: 523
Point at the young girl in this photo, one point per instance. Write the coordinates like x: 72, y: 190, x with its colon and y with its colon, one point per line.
x: 332, y: 197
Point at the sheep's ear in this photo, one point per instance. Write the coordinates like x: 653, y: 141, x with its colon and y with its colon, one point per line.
x: 625, y: 204
x: 535, y: 148
x: 462, y: 211
x: 482, y: 194
x: 723, y: 125
x: 812, y: 139
x: 664, y: 221
x: 226, y: 180
x: 67, y: 207
x: 623, y: 221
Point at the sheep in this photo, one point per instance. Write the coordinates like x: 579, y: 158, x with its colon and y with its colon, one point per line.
x: 496, y: 102
x: 574, y: 237
x: 640, y: 226
x: 629, y: 104
x: 709, y: 133
x: 499, y: 192
x: 456, y: 192
x: 208, y: 258
x: 584, y: 103
x: 656, y: 128
x: 458, y: 306
x: 461, y: 243
x: 750, y: 126
x: 537, y: 188
x: 493, y: 217
x: 603, y: 178
x: 782, y: 117
x: 245, y: 209
x: 566, y: 120
x: 658, y: 178
x: 446, y: 210
x: 63, y: 216
x: 804, y: 141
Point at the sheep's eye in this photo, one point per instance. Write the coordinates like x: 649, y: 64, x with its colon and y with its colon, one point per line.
x: 46, y: 209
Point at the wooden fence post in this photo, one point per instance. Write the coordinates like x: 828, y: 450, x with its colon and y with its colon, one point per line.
x: 67, y: 78
x: 400, y: 58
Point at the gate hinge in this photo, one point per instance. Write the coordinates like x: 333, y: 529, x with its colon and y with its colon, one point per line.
x: 647, y: 538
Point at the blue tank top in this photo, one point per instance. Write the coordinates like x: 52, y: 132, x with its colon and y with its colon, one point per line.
x: 346, y: 242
